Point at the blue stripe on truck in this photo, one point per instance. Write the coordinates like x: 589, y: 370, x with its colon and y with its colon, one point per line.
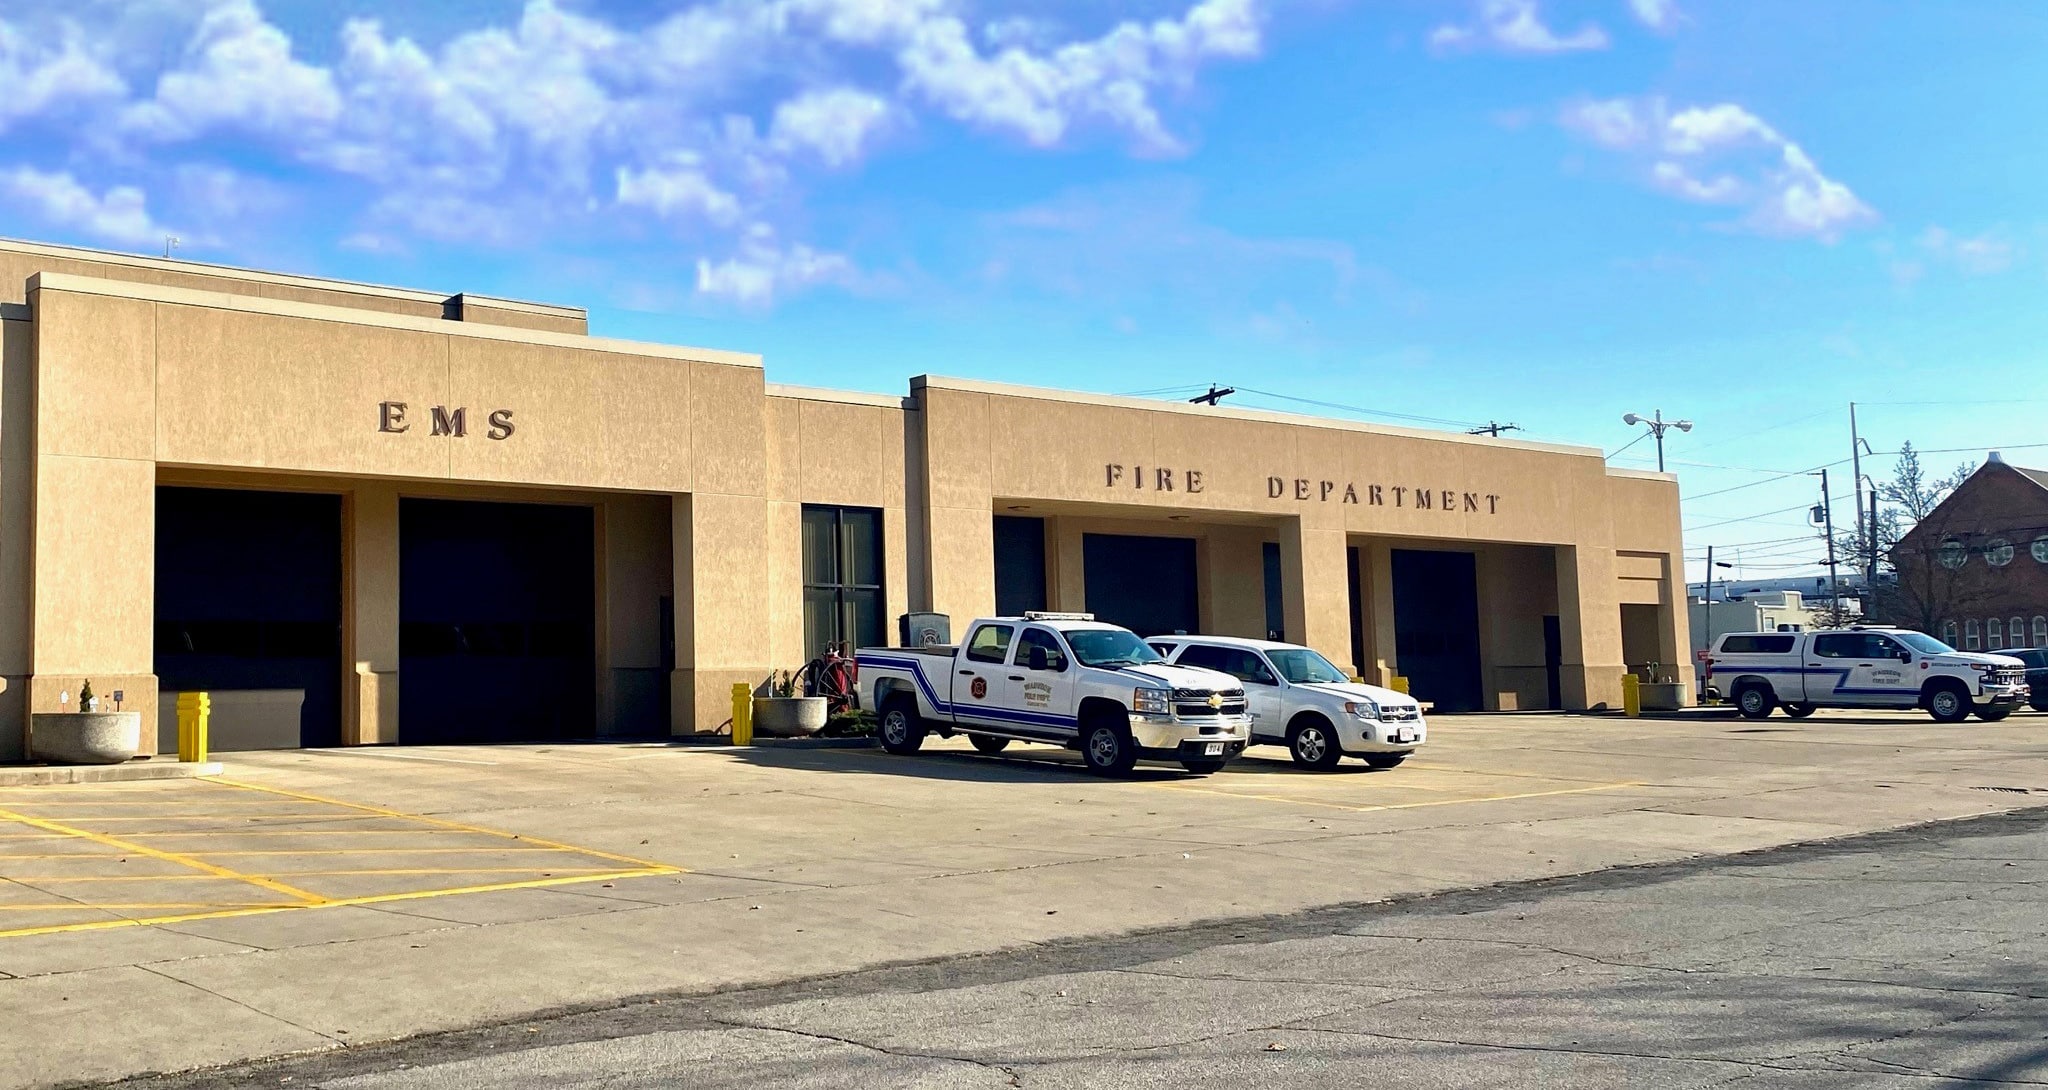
x: 924, y: 685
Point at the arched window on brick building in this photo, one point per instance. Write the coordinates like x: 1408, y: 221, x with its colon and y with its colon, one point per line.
x: 1974, y: 640
x: 1994, y: 634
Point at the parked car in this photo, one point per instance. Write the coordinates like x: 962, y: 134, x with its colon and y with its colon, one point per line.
x: 1864, y: 667
x: 1300, y: 700
x: 1063, y: 678
x: 2036, y: 661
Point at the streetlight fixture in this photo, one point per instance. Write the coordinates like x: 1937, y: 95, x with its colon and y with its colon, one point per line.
x: 1658, y: 426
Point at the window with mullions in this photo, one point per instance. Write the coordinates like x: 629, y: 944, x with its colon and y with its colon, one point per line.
x: 842, y: 578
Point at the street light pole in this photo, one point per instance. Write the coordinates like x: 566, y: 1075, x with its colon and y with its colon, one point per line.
x: 1658, y: 426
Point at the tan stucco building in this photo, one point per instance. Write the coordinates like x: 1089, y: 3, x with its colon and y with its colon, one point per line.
x: 422, y: 517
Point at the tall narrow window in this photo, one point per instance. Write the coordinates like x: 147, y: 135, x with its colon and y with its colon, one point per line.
x: 2016, y: 631
x: 1994, y: 634
x: 2041, y: 631
x: 842, y: 578
x: 1970, y: 634
x: 1948, y: 633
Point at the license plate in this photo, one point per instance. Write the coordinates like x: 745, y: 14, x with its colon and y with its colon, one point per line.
x: 1213, y: 749
x: 1404, y: 735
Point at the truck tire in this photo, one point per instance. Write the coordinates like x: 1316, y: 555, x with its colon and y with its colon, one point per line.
x: 1313, y: 743
x: 901, y: 728
x: 1204, y: 767
x: 988, y: 743
x: 1107, y: 746
x: 1799, y: 711
x: 1993, y: 715
x: 1948, y: 702
x: 1385, y: 760
x: 1754, y: 700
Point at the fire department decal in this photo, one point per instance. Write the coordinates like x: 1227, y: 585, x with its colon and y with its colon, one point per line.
x: 979, y: 689
x: 1037, y: 694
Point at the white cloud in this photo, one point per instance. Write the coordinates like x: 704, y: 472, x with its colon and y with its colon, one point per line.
x: 1723, y: 154
x: 835, y: 125
x: 711, y: 117
x: 1980, y: 255
x: 120, y: 214
x: 238, y: 72
x: 1659, y: 15
x: 37, y: 77
x: 763, y: 269
x: 1515, y: 26
x: 678, y: 188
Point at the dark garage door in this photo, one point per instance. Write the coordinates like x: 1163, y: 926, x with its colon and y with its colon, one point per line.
x: 1146, y: 584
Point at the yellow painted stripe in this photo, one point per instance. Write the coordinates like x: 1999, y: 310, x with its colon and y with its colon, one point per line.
x: 380, y: 811
x: 1401, y: 805
x: 156, y: 853
x: 342, y: 902
x: 467, y: 849
x: 544, y: 871
x: 302, y: 832
x: 230, y: 817
x: 74, y: 906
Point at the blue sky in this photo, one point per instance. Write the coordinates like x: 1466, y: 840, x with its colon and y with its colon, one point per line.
x: 1545, y: 212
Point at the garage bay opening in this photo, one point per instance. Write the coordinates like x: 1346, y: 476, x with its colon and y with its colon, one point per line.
x: 1436, y: 626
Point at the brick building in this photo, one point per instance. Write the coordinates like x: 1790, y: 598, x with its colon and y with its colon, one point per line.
x: 1975, y: 570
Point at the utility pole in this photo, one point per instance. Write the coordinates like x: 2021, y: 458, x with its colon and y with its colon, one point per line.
x: 1494, y: 429
x: 1856, y: 468
x: 1827, y: 513
x: 1870, y: 557
x: 1213, y: 396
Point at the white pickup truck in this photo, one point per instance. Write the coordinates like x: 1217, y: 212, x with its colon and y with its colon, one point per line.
x: 1062, y: 678
x: 1865, y: 667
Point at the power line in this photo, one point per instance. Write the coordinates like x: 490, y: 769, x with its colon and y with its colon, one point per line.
x: 1461, y: 424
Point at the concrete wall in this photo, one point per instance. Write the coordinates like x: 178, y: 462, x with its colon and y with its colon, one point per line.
x: 21, y: 260
x: 842, y: 450
x: 129, y: 378
x: 1320, y: 485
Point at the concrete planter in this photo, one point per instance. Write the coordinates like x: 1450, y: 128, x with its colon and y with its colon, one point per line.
x: 789, y: 716
x: 1660, y: 697
x: 85, y: 738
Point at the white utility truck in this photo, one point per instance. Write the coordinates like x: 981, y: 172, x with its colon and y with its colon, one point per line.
x: 1300, y: 700
x: 1063, y: 678
x: 1864, y: 667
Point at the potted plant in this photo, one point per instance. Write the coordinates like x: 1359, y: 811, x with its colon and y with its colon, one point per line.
x: 85, y: 736
x: 1661, y: 692
x: 784, y: 713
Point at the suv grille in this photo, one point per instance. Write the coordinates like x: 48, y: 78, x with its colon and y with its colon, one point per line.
x: 1194, y: 703
x: 1404, y: 713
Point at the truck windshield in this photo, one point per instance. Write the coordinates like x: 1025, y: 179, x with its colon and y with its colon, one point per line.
x: 1110, y: 647
x: 1923, y: 643
x: 1302, y: 666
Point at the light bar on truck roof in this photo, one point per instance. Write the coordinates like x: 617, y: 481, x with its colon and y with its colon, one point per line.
x: 1038, y: 615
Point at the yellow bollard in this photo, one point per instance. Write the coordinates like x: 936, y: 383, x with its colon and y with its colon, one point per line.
x: 194, y: 709
x: 742, y: 714
x: 1398, y: 683
x: 1632, y: 696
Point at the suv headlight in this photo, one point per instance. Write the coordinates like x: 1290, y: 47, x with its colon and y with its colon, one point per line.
x: 1364, y: 709
x: 1152, y: 701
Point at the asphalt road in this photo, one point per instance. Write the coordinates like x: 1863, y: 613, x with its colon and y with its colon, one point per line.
x: 1904, y: 959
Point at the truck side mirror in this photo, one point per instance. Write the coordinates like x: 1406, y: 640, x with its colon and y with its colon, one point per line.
x: 1038, y: 661
x: 1906, y: 657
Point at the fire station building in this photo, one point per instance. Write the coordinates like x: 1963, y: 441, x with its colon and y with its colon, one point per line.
x: 358, y: 514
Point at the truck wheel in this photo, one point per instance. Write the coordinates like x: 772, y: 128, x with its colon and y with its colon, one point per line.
x: 1107, y: 747
x: 902, y: 729
x: 1993, y: 715
x: 1204, y: 768
x: 988, y: 743
x: 1754, y: 701
x: 1949, y: 704
x: 1799, y: 711
x: 1313, y: 744
x: 1385, y: 760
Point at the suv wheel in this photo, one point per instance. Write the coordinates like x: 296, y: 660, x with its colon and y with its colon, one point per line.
x: 1313, y: 744
x: 1107, y: 747
x: 1949, y: 704
x: 901, y: 729
x: 1754, y: 701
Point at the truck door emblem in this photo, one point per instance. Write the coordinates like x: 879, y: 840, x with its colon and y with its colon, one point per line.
x: 979, y: 688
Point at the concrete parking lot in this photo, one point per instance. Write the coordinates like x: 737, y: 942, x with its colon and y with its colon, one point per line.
x: 643, y: 870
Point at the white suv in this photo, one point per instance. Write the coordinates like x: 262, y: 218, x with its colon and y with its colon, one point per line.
x: 1298, y: 699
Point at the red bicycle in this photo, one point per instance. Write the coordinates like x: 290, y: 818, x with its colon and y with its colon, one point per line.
x: 833, y: 676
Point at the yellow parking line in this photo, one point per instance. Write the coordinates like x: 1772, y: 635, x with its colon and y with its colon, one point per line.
x: 380, y: 811
x: 156, y: 853
x: 467, y: 848
x: 441, y: 870
x: 222, y: 817
x: 75, y: 906
x: 298, y: 832
x: 340, y: 902
x: 1402, y: 805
